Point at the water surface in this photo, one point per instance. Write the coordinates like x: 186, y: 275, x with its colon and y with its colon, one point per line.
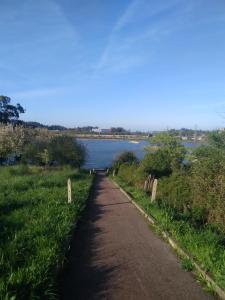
x: 101, y: 153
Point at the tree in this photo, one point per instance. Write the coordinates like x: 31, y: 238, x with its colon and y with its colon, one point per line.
x: 12, y: 140
x: 9, y: 113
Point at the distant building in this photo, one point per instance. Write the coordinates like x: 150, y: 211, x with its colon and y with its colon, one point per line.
x: 100, y: 130
x: 184, y: 138
x: 105, y: 130
x: 96, y: 130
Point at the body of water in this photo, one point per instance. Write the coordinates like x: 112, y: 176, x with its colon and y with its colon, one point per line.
x: 101, y: 153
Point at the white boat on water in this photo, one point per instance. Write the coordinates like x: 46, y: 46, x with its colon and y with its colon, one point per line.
x: 134, y: 142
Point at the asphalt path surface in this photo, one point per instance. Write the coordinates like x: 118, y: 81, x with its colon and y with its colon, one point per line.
x: 115, y: 255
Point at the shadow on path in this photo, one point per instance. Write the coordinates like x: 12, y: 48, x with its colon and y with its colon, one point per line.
x: 82, y: 278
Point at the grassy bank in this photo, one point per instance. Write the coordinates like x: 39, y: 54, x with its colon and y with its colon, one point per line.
x: 205, y: 244
x: 35, y: 226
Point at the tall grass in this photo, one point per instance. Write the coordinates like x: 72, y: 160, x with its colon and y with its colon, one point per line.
x: 35, y: 226
x: 205, y: 244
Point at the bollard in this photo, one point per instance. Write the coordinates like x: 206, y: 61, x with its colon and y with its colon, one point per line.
x: 154, y: 190
x: 146, y: 185
x: 69, y: 189
x: 149, y: 179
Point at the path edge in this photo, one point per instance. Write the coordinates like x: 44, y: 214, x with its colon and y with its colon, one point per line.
x: 219, y: 291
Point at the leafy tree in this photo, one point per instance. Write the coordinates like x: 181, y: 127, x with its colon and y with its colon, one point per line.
x: 9, y: 113
x: 12, y: 140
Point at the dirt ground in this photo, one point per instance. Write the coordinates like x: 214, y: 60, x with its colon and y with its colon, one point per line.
x: 115, y: 255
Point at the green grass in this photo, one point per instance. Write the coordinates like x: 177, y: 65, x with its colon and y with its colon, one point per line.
x: 205, y: 244
x: 35, y: 227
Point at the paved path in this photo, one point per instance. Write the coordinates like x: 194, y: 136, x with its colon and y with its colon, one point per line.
x: 115, y: 255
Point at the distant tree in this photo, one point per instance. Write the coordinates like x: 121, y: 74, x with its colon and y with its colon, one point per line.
x: 118, y: 130
x: 9, y: 113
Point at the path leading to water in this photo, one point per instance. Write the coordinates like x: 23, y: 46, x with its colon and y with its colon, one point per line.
x: 115, y: 255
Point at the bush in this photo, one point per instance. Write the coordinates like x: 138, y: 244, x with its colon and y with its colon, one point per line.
x: 60, y: 150
x: 128, y: 173
x: 125, y: 157
x: 157, y: 164
x: 208, y: 185
x: 32, y: 153
x: 65, y: 150
x: 175, y: 192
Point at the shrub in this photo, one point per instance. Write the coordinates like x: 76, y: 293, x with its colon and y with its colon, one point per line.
x: 125, y: 157
x: 157, y: 164
x: 208, y: 185
x: 128, y: 173
x: 60, y: 150
x: 65, y: 150
x: 174, y: 192
x: 32, y: 153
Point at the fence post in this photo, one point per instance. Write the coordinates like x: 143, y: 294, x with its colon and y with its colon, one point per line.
x: 154, y: 190
x: 69, y: 190
x: 146, y: 185
x: 148, y: 188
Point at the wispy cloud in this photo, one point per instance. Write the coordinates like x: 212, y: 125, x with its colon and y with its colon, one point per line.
x: 143, y: 25
x: 37, y: 32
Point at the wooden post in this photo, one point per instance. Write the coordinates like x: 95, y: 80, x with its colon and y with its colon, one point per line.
x: 151, y: 182
x: 69, y: 189
x: 114, y: 173
x: 146, y: 185
x: 154, y: 190
x: 148, y: 188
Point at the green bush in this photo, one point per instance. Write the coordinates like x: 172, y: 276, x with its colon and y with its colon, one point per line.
x: 128, y: 173
x: 175, y: 192
x: 125, y: 157
x: 65, y: 150
x: 208, y: 185
x: 60, y: 150
x: 157, y: 164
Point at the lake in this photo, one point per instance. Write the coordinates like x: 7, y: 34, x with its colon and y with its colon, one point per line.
x: 101, y: 153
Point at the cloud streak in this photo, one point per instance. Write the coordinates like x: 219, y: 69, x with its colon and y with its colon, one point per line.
x: 135, y: 34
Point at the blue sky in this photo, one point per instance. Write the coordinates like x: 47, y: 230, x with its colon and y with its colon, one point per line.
x: 141, y: 64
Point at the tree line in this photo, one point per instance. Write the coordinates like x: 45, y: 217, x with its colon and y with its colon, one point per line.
x: 36, y: 146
